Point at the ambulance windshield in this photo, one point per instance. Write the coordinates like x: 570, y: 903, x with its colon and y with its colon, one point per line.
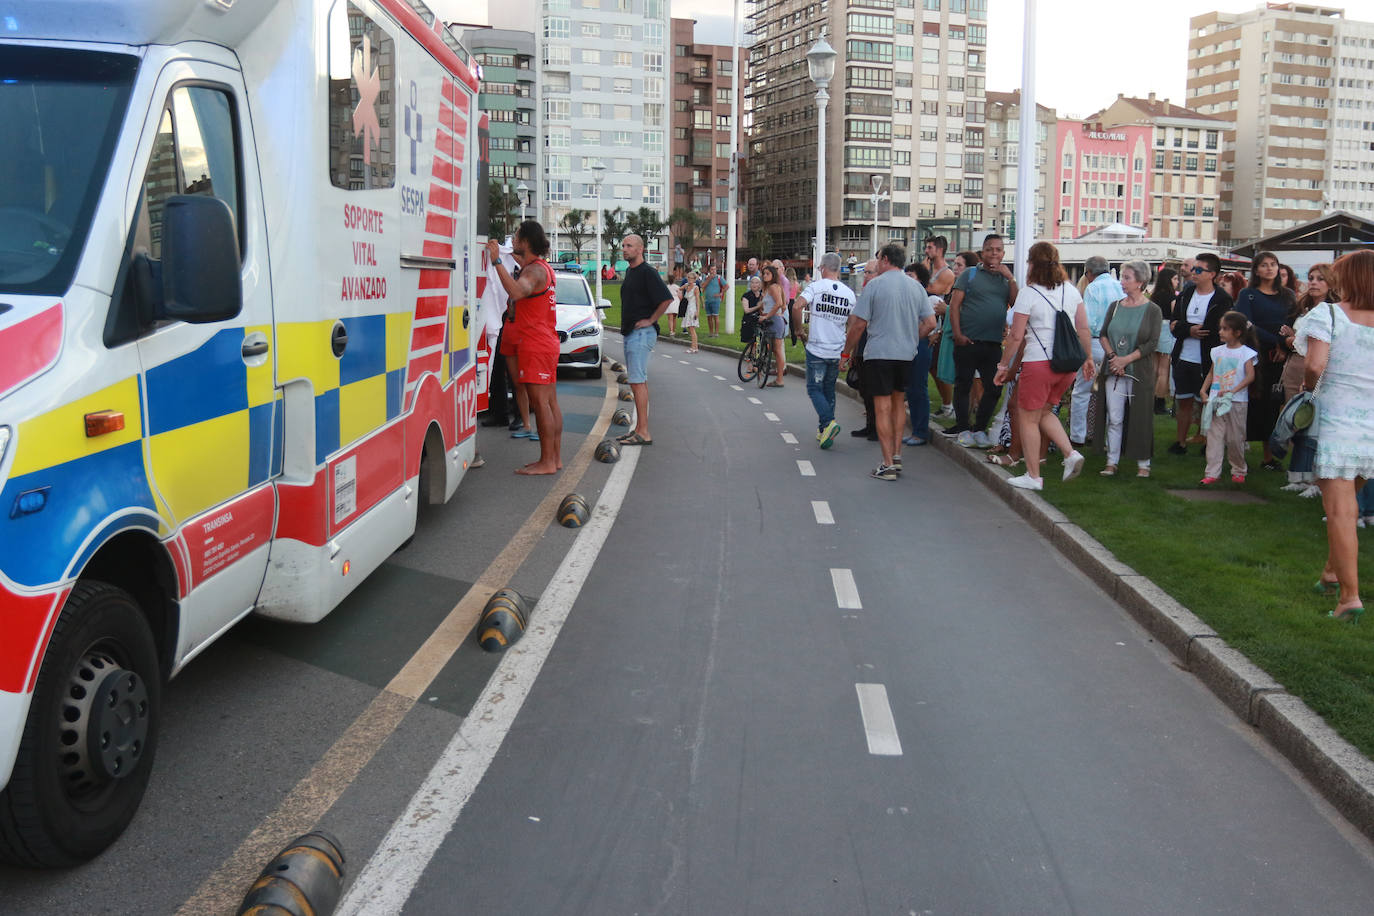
x: 62, y: 111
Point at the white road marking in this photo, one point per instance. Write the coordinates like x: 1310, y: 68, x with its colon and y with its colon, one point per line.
x: 806, y: 469
x: 737, y: 388
x: 789, y: 438
x: 702, y: 369
x: 666, y: 355
x: 389, y: 877
x: 846, y: 591
x: 719, y: 378
x: 684, y: 362
x: 755, y: 401
x: 772, y: 416
x: 879, y: 727
x: 822, y: 510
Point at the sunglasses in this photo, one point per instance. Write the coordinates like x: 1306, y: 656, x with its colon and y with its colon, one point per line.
x: 1202, y: 270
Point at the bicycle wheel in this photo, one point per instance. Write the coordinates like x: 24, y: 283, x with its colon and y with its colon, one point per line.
x: 748, y: 367
x: 765, y: 363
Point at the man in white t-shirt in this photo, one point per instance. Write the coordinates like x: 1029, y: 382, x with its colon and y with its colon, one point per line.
x: 1199, y: 310
x: 828, y: 304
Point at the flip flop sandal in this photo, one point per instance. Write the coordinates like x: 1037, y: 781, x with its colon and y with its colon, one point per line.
x: 1003, y: 460
x: 634, y: 439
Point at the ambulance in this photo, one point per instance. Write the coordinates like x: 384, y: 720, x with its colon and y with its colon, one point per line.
x: 238, y: 258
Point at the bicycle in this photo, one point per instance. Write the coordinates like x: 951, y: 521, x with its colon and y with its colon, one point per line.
x: 756, y: 360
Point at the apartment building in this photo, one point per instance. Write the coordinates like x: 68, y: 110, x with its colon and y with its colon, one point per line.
x: 1184, y: 177
x: 907, y: 105
x: 700, y: 147
x: 510, y: 97
x: 1001, y: 163
x: 1272, y: 73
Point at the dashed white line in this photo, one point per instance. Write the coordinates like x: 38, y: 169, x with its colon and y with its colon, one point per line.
x: 805, y: 468
x: 737, y: 388
x: 719, y: 378
x: 846, y: 590
x: 822, y: 510
x: 879, y: 727
x: 755, y: 401
x: 789, y: 438
x: 684, y: 362
x: 702, y: 369
x: 772, y: 416
x: 666, y: 355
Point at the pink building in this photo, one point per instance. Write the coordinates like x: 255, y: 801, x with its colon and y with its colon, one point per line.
x: 1103, y: 177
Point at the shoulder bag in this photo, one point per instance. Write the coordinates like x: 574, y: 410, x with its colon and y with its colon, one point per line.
x: 1300, y: 413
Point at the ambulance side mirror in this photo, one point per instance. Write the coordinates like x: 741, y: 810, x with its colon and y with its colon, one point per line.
x: 201, y: 280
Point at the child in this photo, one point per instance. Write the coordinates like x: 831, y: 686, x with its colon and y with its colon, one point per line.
x: 1225, y: 392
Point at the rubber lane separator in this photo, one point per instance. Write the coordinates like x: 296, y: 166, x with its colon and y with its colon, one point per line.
x: 879, y: 727
x: 387, y: 880
x: 822, y: 510
x: 846, y: 591
x: 806, y: 468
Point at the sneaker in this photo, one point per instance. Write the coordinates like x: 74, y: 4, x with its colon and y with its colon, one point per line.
x: 914, y: 441
x: 520, y: 433
x: 897, y: 463
x: 1312, y: 492
x: 1177, y: 448
x: 1073, y: 465
x: 1207, y: 481
x: 954, y: 431
x: 515, y: 424
x: 827, y: 436
x: 968, y: 439
x: 945, y: 413
x: 862, y: 433
x: 1237, y: 478
x: 1359, y: 522
x: 533, y: 436
x: 982, y: 440
x: 885, y: 472
x: 1027, y: 482
x: 1293, y: 487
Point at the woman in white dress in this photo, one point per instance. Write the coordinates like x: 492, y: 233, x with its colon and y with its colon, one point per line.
x: 1339, y: 344
x: 691, y: 292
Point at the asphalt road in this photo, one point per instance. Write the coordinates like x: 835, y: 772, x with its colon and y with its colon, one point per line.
x: 917, y: 708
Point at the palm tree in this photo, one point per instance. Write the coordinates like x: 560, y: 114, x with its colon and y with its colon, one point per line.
x: 579, y: 232
x: 687, y: 226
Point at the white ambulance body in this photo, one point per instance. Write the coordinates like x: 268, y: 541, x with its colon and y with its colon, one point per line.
x: 237, y: 347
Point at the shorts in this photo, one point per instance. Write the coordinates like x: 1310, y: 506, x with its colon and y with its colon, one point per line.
x: 776, y: 326
x: 713, y: 306
x: 1039, y: 386
x: 885, y: 376
x: 639, y: 344
x: 537, y: 368
x: 510, y: 340
x: 1187, y: 379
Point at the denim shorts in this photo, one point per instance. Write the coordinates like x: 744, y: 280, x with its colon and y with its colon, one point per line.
x: 713, y: 306
x: 639, y: 344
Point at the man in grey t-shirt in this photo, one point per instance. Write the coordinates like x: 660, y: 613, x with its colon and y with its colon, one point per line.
x: 891, y: 309
x: 978, y: 319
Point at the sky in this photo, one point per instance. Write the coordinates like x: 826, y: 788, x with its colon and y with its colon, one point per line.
x: 1088, y: 50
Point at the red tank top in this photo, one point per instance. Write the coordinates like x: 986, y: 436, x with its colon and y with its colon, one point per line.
x: 536, y: 317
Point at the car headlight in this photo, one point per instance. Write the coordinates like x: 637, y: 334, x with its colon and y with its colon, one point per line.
x: 586, y: 332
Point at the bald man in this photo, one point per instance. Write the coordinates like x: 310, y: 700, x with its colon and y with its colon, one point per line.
x: 644, y: 297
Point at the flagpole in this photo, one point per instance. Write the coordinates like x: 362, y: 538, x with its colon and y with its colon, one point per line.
x: 732, y: 220
x: 1027, y: 169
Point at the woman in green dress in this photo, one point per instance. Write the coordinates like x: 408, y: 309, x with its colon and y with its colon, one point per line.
x: 1125, y: 398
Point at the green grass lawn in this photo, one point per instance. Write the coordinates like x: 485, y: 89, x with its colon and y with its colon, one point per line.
x: 1245, y: 570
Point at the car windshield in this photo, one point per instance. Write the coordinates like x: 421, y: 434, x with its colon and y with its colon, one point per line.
x: 572, y: 291
x: 62, y: 111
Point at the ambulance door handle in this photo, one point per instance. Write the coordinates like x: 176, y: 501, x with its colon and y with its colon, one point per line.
x: 338, y: 338
x: 253, y: 348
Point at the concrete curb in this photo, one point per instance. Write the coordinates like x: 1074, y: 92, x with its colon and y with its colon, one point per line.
x: 1343, y: 775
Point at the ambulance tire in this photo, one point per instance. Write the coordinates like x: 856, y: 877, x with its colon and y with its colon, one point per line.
x: 61, y: 808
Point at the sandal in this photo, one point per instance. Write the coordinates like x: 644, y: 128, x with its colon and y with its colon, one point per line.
x: 634, y: 439
x: 1003, y: 460
x: 775, y: 385
x: 1142, y: 472
x: 1108, y: 471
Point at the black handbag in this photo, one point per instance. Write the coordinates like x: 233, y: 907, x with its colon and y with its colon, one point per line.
x: 1067, y: 355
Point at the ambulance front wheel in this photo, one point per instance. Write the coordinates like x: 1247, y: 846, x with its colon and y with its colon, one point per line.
x: 88, y: 744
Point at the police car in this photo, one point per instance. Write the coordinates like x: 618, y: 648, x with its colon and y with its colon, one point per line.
x: 579, y: 322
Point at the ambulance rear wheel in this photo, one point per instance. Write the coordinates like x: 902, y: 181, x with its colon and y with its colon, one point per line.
x: 89, y: 740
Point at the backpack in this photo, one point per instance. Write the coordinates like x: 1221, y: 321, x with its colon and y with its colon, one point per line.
x: 1067, y: 355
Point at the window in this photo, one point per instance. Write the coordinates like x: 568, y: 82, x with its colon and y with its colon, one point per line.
x: 722, y: 150
x: 558, y: 27
x: 653, y: 62
x: 623, y: 59
x: 621, y: 33
x: 622, y: 113
x: 867, y: 78
x: 877, y: 51
x: 722, y: 122
x: 589, y: 29
x: 590, y: 110
x: 722, y: 95
x: 623, y: 86
x: 557, y: 55
x: 1159, y: 160
x: 864, y: 23
x: 590, y: 56
x: 365, y: 159
x: 725, y: 67
x: 591, y: 138
x: 857, y: 129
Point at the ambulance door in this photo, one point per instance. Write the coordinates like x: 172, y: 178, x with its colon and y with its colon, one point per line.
x: 212, y: 436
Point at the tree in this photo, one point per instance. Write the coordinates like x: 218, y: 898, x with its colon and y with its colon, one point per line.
x: 687, y: 226
x: 646, y: 223
x: 614, y: 227
x: 760, y: 243
x: 504, y: 210
x: 574, y: 225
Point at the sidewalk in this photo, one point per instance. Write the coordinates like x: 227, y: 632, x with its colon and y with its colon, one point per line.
x: 1343, y: 775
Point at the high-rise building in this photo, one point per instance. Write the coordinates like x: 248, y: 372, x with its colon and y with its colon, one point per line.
x: 700, y: 144
x: 906, y: 105
x: 1183, y: 177
x: 1287, y: 76
x: 509, y: 95
x: 1001, y: 163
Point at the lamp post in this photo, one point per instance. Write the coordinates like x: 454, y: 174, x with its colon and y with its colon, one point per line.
x: 878, y: 196
x: 524, y: 191
x: 820, y: 60
x: 598, y: 176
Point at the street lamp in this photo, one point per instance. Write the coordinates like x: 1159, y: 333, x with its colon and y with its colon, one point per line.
x: 820, y: 60
x: 598, y: 176
x: 878, y: 196
x: 524, y: 191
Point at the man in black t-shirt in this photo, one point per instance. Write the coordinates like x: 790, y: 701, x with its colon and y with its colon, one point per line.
x: 643, y: 298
